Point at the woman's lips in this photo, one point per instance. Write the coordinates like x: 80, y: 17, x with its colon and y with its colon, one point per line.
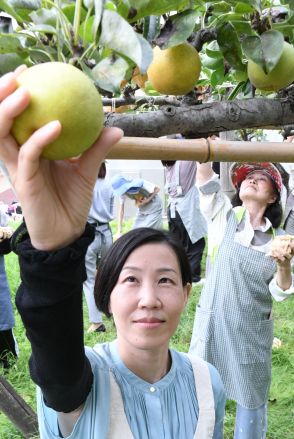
x: 151, y: 322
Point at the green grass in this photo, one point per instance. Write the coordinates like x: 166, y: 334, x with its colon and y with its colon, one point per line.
x: 281, y: 401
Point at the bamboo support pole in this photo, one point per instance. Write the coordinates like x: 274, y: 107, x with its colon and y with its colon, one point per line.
x: 202, y: 150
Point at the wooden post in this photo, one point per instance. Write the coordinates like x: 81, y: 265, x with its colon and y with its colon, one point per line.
x: 17, y: 410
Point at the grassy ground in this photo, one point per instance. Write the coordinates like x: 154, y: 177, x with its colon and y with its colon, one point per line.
x: 281, y: 400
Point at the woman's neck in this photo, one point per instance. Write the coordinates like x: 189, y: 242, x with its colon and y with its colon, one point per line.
x: 149, y: 365
x: 256, y: 213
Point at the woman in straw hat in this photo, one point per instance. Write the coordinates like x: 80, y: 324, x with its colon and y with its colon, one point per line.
x: 248, y: 266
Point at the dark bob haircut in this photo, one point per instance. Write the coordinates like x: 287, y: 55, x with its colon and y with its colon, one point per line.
x: 113, y: 262
x: 273, y: 212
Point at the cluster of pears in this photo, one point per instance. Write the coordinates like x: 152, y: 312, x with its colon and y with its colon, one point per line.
x: 174, y: 71
x: 60, y: 91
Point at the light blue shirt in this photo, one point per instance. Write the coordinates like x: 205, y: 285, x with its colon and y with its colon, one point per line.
x: 169, y: 412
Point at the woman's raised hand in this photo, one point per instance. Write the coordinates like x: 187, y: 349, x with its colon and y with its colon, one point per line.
x: 55, y: 195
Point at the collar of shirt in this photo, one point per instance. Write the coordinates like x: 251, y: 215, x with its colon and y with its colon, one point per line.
x: 245, y: 232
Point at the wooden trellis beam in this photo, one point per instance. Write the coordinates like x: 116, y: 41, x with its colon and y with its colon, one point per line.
x: 202, y: 150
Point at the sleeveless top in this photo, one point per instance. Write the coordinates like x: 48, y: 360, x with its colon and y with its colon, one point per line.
x: 122, y: 402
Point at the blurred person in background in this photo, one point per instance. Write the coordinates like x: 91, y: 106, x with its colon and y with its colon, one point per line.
x: 100, y: 215
x: 185, y: 220
x: 146, y: 198
x: 8, y: 345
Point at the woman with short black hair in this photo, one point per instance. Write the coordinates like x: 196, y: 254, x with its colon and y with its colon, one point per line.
x: 136, y: 386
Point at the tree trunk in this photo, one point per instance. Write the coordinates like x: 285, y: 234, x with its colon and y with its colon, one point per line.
x: 17, y: 410
x: 200, y: 120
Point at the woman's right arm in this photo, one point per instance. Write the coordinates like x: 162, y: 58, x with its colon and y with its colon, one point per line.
x: 49, y: 301
x: 204, y: 173
x: 213, y: 202
x: 55, y: 197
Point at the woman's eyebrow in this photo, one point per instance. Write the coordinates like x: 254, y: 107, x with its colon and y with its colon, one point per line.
x: 159, y: 270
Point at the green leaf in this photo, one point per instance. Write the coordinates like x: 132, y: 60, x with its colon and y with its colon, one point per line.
x: 69, y: 12
x: 6, y: 7
x: 109, y: 73
x: 212, y: 63
x: 244, y: 8
x: 44, y: 16
x: 110, y: 5
x: 39, y: 54
x: 25, y: 4
x: 86, y: 30
x: 265, y: 50
x: 88, y: 3
x: 144, y: 8
x: 228, y: 41
x: 256, y: 4
x: 20, y: 9
x: 182, y: 26
x: 221, y: 7
x: 151, y: 27
x: 217, y: 77
x: 212, y: 50
x: 10, y: 43
x: 138, y: 4
x: 286, y: 27
x: 97, y: 20
x: 234, y: 93
x: 243, y: 28
x: 119, y: 35
x: 44, y: 28
x: 9, y: 62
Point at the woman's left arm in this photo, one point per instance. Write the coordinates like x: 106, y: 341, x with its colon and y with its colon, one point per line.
x: 282, y: 251
x: 284, y: 275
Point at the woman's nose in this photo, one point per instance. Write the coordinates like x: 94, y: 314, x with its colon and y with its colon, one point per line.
x: 149, y: 297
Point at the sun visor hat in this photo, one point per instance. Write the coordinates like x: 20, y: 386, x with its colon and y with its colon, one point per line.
x: 121, y: 185
x: 239, y: 171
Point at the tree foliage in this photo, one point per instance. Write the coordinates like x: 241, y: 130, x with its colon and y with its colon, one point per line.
x: 112, y: 40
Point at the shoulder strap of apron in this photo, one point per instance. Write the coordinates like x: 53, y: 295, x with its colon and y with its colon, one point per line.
x: 118, y: 424
x: 206, y: 417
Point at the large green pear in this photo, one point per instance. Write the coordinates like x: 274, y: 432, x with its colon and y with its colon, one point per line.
x: 61, y: 92
x: 280, y: 77
x: 174, y: 70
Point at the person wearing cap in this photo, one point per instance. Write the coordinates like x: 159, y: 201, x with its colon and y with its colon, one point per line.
x: 249, y: 265
x: 145, y: 195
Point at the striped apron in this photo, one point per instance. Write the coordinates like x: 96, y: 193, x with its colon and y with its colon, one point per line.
x: 232, y: 329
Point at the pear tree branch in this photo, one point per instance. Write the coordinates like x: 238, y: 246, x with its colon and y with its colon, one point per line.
x: 199, y: 120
